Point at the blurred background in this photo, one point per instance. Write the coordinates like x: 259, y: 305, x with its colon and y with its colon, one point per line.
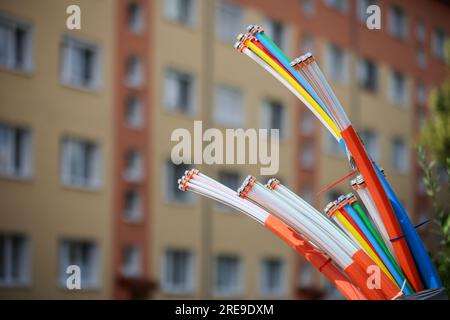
x: 86, y: 117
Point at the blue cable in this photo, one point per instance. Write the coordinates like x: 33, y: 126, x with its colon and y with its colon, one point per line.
x: 428, y: 273
x: 270, y: 47
x: 398, y: 277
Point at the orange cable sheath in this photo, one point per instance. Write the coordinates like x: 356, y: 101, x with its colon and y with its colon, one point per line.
x: 317, y: 258
x: 383, y: 205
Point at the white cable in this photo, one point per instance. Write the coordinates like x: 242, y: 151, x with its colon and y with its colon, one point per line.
x: 269, y: 69
x: 259, y: 194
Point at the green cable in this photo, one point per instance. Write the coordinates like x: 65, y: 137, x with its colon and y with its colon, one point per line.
x: 276, y: 47
x: 377, y: 237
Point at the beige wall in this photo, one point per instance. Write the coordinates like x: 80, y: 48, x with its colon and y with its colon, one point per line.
x: 39, y: 100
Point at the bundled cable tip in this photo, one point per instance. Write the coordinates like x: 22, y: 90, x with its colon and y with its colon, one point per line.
x: 254, y: 28
x: 246, y: 186
x: 272, y: 183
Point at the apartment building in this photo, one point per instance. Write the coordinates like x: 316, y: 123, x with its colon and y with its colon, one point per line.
x: 86, y: 118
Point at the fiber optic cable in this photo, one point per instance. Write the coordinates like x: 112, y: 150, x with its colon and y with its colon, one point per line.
x: 258, y: 33
x: 399, y: 278
x: 257, y: 193
x: 299, y: 88
x: 427, y: 271
x: 367, y: 170
x: 206, y: 186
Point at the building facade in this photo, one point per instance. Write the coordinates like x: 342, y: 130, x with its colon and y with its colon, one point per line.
x: 87, y: 116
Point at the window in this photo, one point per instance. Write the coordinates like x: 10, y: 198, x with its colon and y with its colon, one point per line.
x: 134, y: 72
x: 307, y: 123
x: 133, y: 112
x: 340, y: 5
x: 306, y: 276
x: 14, y: 260
x: 15, y: 151
x: 229, y: 21
x: 421, y: 93
x: 178, y: 272
x: 80, y: 63
x: 438, y: 44
x: 179, y: 92
x: 80, y: 163
x: 368, y: 75
x: 398, y: 88
x: 307, y: 155
x: 421, y: 57
x: 15, y: 45
x: 370, y: 140
x: 273, y: 117
x: 135, y: 18
x: 362, y: 9
x: 133, y: 206
x: 336, y: 63
x: 83, y: 254
x: 306, y: 192
x: 276, y: 31
x: 181, y: 11
x: 172, y: 174
x: 229, y: 107
x: 131, y: 262
x: 399, y: 155
x: 228, y: 279
x: 133, y: 166
x: 421, y: 32
x: 308, y: 43
x: 398, y: 23
x: 331, y: 145
x: 308, y: 7
x: 272, y: 283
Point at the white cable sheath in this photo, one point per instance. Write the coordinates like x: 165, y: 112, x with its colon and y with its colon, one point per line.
x: 260, y: 195
x: 269, y: 69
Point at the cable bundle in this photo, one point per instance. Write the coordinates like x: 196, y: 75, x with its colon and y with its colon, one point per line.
x: 388, y: 237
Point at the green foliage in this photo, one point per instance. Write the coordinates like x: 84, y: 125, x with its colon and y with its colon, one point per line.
x: 441, y: 215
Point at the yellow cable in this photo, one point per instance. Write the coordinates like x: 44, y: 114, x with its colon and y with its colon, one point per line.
x: 295, y: 84
x: 363, y: 243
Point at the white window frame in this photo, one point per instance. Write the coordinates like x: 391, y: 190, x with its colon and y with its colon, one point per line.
x: 228, y: 30
x: 69, y: 58
x: 337, y: 70
x: 439, y: 49
x: 308, y: 7
x: 172, y: 92
x: 74, y: 147
x: 133, y: 214
x: 398, y: 98
x: 171, y: 288
x: 172, y: 12
x: 339, y: 5
x: 10, y: 63
x: 169, y: 180
x: 402, y: 32
x: 133, y: 267
x: 134, y: 72
x: 265, y: 291
x: 8, y: 143
x: 93, y: 282
x: 134, y: 166
x: 136, y: 19
x: 237, y: 288
x: 229, y: 107
x: 134, y: 112
x: 307, y: 155
x: 267, y: 106
x: 403, y: 166
x: 372, y: 146
x: 24, y: 278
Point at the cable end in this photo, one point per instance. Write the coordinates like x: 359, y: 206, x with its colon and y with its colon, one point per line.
x: 246, y: 186
x: 272, y: 183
